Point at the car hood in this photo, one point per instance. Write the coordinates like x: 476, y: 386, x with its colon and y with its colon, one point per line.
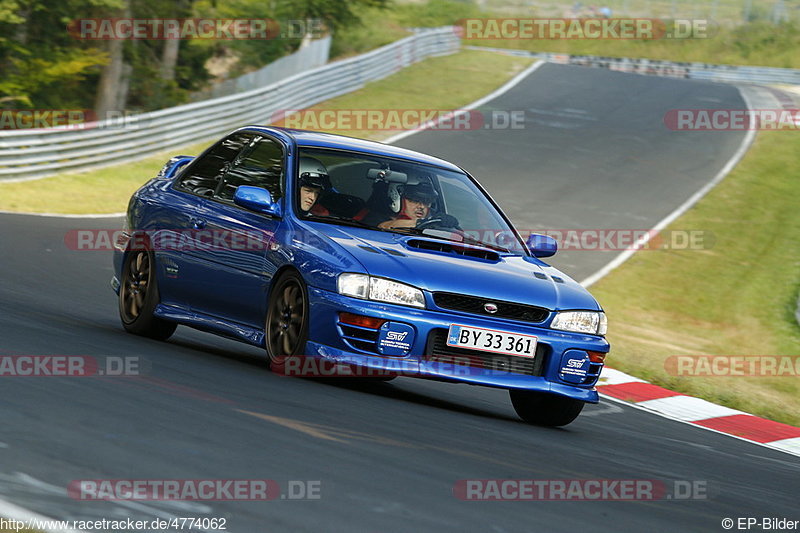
x: 503, y: 277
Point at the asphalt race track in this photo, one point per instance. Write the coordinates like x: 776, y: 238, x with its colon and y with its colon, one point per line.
x: 594, y: 153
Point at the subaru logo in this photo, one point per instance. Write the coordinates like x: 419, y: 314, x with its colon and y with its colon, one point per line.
x: 490, y: 308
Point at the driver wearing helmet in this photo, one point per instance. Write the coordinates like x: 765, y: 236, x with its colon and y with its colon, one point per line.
x: 415, y: 205
x: 313, y: 180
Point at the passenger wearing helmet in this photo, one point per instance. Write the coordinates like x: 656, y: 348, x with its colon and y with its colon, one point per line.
x: 313, y: 180
x: 415, y: 205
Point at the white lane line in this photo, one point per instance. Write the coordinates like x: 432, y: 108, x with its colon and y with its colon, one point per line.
x: 685, y: 206
x: 43, y: 487
x: 479, y: 102
x: 15, y: 512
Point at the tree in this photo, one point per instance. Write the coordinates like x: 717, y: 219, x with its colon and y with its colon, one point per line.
x: 333, y: 13
x: 39, y: 66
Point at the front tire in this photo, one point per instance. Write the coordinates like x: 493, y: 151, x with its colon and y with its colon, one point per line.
x: 545, y: 409
x: 286, y: 328
x: 138, y: 298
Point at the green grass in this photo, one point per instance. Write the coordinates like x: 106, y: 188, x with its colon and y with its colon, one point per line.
x: 722, y: 11
x: 757, y: 44
x: 383, y: 26
x: 104, y: 190
x: 736, y: 298
x: 107, y: 190
x: 729, y: 42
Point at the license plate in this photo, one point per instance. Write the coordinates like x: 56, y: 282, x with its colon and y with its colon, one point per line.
x: 491, y: 340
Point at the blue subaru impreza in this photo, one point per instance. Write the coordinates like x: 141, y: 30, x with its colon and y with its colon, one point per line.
x: 342, y: 256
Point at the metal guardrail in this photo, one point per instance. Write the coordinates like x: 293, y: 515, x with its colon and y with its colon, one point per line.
x: 313, y: 55
x: 697, y: 71
x: 30, y: 154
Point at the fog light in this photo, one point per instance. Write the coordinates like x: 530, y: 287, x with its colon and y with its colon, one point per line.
x: 360, y: 320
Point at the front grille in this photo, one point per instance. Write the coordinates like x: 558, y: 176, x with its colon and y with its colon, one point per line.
x: 473, y: 304
x: 438, y: 351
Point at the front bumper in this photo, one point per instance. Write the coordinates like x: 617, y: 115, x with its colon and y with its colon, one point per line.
x: 331, y: 340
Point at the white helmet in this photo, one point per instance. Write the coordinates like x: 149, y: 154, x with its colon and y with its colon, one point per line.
x: 313, y: 173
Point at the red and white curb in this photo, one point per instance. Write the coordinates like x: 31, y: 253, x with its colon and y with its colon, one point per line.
x: 617, y: 385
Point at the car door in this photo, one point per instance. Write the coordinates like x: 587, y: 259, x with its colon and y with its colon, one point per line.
x: 240, y: 264
x: 178, y: 224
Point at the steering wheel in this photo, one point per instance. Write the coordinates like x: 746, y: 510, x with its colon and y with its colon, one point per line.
x: 440, y: 221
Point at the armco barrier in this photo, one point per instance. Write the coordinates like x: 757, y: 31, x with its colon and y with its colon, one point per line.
x: 313, y: 55
x: 28, y: 154
x: 697, y: 71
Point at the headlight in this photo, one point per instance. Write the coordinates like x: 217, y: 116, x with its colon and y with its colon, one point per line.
x: 592, y: 322
x: 355, y: 285
x: 385, y: 290
x: 379, y: 289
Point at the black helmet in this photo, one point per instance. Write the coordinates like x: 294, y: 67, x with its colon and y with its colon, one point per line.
x: 421, y: 192
x: 313, y: 174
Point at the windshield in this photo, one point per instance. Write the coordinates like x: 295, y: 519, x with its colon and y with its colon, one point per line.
x: 398, y: 196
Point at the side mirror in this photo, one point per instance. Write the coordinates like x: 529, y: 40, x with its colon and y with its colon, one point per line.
x: 256, y: 199
x: 542, y: 245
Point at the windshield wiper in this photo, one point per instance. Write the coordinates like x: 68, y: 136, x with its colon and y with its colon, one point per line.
x: 496, y: 247
x: 345, y: 221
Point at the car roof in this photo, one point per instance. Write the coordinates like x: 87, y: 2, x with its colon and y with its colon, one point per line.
x: 318, y: 139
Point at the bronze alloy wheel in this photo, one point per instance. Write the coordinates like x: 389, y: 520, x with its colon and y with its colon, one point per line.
x: 134, y: 288
x: 138, y: 298
x: 287, y: 318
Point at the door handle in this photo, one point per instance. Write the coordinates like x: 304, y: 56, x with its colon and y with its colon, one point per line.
x: 198, y: 223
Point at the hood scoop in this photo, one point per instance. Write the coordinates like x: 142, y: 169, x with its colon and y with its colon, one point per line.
x: 453, y: 248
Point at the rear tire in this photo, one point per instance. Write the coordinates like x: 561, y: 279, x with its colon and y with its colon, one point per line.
x: 138, y: 298
x: 545, y: 409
